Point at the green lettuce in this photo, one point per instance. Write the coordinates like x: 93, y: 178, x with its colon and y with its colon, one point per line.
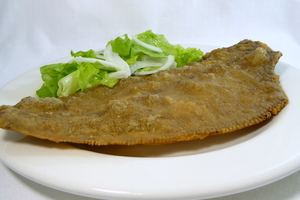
x: 63, y: 79
x: 86, y: 54
x: 142, y: 54
x: 131, y: 51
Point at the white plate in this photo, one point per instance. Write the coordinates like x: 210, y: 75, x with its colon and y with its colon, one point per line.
x: 216, y: 166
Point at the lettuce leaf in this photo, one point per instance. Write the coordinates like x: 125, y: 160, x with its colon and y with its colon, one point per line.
x: 68, y: 85
x: 188, y: 55
x: 122, y: 46
x: 63, y: 79
x: 88, y: 76
x: 159, y: 41
x: 51, y: 74
x: 86, y: 54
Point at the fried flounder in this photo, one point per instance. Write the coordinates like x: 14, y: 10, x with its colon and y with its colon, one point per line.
x: 232, y: 88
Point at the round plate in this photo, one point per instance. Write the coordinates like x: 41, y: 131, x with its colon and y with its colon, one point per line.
x: 216, y: 166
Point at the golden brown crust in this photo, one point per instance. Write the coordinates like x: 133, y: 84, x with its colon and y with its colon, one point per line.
x: 232, y: 88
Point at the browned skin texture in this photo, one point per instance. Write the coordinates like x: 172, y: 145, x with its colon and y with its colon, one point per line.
x: 232, y: 88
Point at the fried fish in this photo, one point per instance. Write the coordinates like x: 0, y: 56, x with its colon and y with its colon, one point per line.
x: 232, y: 88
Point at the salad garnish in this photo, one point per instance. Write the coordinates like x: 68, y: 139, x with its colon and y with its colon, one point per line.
x: 142, y: 54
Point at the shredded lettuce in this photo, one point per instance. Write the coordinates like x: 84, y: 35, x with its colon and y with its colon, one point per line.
x: 142, y: 54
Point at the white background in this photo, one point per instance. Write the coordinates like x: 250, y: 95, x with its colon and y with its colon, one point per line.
x: 34, y: 32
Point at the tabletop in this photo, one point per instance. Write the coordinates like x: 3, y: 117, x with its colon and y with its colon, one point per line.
x: 34, y: 32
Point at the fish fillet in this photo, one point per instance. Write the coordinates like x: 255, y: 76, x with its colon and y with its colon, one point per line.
x: 232, y: 88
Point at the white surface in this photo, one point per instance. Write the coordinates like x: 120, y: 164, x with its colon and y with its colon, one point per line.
x: 35, y: 32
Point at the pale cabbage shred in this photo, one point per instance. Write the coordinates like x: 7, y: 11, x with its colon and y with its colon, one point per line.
x: 112, y: 60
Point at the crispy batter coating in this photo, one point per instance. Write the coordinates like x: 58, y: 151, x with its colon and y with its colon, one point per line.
x: 232, y: 88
